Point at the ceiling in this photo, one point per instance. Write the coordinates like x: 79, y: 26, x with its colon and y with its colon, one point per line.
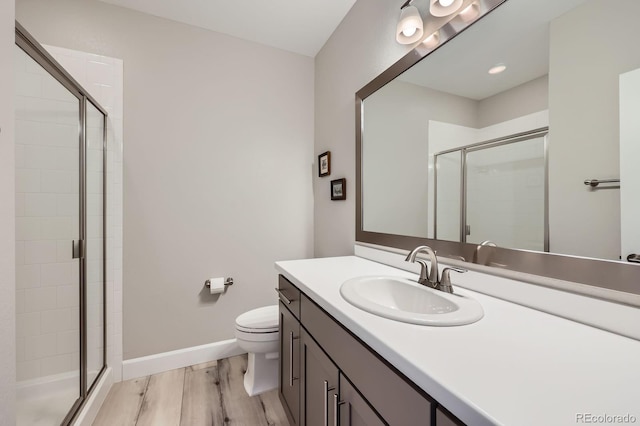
x: 299, y: 26
x: 516, y: 34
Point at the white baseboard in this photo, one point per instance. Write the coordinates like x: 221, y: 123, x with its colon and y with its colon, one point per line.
x: 152, y: 364
x: 99, y: 394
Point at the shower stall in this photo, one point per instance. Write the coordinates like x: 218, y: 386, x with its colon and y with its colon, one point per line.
x: 61, y: 143
x: 494, y: 190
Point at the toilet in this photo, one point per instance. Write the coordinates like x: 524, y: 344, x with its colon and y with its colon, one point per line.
x: 257, y: 333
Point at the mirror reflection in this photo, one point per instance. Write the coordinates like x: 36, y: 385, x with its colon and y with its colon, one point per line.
x: 493, y: 135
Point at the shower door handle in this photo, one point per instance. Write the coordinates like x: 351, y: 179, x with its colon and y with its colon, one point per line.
x: 77, y: 249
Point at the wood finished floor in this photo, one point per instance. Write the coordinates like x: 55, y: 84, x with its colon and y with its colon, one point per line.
x: 208, y: 394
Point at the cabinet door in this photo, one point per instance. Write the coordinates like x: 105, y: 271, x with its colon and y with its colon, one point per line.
x: 443, y: 418
x: 289, y: 364
x: 318, y: 381
x: 353, y: 408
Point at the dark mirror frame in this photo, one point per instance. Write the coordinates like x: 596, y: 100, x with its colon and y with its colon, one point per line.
x: 591, y: 276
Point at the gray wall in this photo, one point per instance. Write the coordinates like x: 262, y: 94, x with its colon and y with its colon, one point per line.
x: 396, y: 153
x: 584, y: 123
x: 7, y: 219
x: 527, y: 98
x: 361, y: 47
x: 217, y: 166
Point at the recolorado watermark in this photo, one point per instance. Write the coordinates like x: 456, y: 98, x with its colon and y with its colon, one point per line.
x: 590, y: 418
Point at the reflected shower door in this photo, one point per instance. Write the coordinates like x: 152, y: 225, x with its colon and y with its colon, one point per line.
x: 506, y: 194
x: 448, y: 180
x: 47, y: 117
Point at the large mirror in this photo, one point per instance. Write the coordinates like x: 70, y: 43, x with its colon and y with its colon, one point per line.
x: 523, y: 130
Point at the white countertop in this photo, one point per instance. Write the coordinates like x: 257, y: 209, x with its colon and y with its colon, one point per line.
x: 516, y: 366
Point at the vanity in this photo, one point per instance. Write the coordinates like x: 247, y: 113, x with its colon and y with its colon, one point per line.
x: 341, y: 365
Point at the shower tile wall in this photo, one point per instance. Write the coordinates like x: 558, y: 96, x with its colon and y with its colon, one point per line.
x: 46, y: 203
x: 46, y: 222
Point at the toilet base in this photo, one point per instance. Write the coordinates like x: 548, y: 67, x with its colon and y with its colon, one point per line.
x: 262, y: 373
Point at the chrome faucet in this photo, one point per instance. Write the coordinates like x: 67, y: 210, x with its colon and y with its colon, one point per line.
x: 476, y: 253
x: 432, y: 278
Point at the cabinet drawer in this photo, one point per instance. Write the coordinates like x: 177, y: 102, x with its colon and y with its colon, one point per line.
x: 289, y: 295
x: 395, y: 399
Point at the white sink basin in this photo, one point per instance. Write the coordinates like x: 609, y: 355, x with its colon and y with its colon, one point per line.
x: 404, y: 300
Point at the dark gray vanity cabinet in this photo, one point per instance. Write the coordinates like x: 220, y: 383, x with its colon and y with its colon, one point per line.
x: 353, y: 408
x: 289, y: 365
x: 318, y: 384
x: 342, y: 382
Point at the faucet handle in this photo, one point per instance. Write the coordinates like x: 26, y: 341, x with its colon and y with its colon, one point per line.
x: 424, y: 268
x: 445, y: 284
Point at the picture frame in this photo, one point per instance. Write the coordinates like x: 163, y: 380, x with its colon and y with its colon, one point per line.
x: 324, y: 164
x: 339, y: 189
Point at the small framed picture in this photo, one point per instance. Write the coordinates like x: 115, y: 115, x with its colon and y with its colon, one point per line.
x: 339, y: 189
x: 324, y: 164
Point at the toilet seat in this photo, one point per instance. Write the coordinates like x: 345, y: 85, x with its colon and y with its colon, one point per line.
x: 263, y: 320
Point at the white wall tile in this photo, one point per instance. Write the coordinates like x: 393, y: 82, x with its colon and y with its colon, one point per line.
x: 68, y: 204
x: 40, y: 299
x: 56, y: 365
x: 41, y: 346
x: 27, y: 370
x: 64, y: 250
x: 28, y: 324
x: 40, y: 252
x: 58, y: 181
x: 68, y: 342
x: 27, y: 180
x: 57, y: 320
x: 28, y: 132
x: 57, y: 228
x: 67, y: 296
x: 40, y: 204
x: 27, y: 228
x: 28, y: 276
x: 52, y: 89
x: 28, y: 85
x: 56, y: 274
x: 60, y: 135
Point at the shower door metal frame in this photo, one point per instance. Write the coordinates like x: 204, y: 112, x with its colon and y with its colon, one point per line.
x: 492, y: 143
x: 35, y: 51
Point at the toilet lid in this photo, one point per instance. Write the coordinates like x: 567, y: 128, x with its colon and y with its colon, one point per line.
x: 260, y: 320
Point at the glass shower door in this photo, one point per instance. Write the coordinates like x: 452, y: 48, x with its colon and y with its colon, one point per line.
x: 95, y: 259
x: 506, y: 194
x: 48, y: 176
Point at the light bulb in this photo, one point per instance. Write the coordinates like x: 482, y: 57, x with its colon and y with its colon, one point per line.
x: 497, y: 69
x: 446, y: 3
x: 409, y: 31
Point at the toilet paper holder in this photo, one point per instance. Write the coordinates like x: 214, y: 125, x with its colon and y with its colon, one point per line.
x: 227, y: 282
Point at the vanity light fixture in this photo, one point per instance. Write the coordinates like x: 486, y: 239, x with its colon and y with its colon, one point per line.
x: 432, y: 41
x: 497, y: 69
x: 440, y: 8
x: 470, y: 12
x: 409, y: 28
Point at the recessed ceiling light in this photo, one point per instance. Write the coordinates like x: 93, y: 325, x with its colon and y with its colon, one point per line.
x: 497, y: 69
